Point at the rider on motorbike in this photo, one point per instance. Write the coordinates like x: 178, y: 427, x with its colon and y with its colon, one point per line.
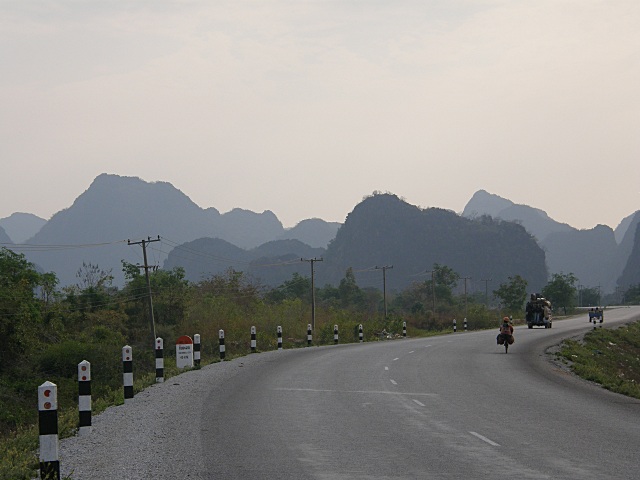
x: 506, y: 332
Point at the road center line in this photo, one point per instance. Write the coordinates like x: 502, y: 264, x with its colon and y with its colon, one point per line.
x: 412, y: 351
x: 396, y: 359
x: 418, y: 403
x: 485, y: 439
x: 383, y: 392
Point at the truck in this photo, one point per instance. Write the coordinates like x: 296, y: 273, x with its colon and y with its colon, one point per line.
x: 538, y: 312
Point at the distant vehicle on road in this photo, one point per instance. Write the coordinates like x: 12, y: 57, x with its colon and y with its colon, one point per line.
x: 538, y: 312
x: 596, y: 315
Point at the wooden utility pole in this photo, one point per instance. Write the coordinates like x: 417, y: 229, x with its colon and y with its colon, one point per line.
x: 486, y: 291
x: 433, y: 290
x: 384, y: 286
x: 313, y: 290
x: 146, y: 272
x: 465, y: 295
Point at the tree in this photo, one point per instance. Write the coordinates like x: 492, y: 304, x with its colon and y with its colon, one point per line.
x: 350, y: 293
x: 296, y: 288
x: 512, y: 294
x: 93, y: 290
x: 20, y: 311
x: 588, y: 297
x: 91, y: 276
x: 445, y: 279
x: 561, y: 290
x: 632, y: 295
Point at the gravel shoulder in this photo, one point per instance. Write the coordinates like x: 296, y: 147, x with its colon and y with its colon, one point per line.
x: 156, y: 434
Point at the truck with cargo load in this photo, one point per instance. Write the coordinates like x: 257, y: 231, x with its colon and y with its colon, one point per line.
x: 538, y: 312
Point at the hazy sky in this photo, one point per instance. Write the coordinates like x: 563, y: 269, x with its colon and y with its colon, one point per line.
x: 305, y: 107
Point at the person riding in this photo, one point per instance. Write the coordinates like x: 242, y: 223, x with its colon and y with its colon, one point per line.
x: 506, y: 332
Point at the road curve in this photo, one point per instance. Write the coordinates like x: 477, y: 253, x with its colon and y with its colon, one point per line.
x: 446, y: 407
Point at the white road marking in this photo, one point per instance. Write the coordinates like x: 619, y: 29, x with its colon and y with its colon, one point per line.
x: 394, y: 382
x: 418, y: 403
x: 485, y: 439
x: 396, y: 359
x: 384, y: 392
x: 412, y: 351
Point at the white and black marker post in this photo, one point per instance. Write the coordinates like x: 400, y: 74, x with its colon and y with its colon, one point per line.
x: 48, y: 430
x: 309, y: 335
x: 196, y: 349
x: 465, y: 324
x: 159, y: 360
x: 360, y: 333
x: 335, y: 334
x: 222, y: 348
x: 279, y: 330
x: 84, y: 397
x: 253, y: 339
x: 404, y: 329
x: 455, y: 327
x: 127, y: 373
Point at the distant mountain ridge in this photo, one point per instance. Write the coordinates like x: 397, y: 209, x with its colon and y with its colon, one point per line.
x: 96, y: 227
x: 4, y: 238
x: 384, y: 229
x: 271, y: 263
x: 536, y: 221
x: 115, y: 209
x: 631, y: 273
x: 593, y: 255
x: 21, y: 226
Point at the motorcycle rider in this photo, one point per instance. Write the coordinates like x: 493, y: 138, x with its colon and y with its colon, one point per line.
x: 506, y: 332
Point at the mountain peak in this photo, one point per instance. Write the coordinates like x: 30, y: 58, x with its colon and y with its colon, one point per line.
x: 485, y: 203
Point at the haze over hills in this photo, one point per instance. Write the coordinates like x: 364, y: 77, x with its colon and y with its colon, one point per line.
x: 631, y: 273
x: 595, y: 256
x: 21, y: 226
x: 4, y: 238
x: 383, y: 229
x: 271, y: 263
x: 114, y: 209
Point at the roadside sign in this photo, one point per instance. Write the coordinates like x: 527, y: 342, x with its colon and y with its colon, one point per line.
x: 184, y: 352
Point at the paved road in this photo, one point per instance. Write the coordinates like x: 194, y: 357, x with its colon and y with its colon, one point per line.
x: 448, y: 407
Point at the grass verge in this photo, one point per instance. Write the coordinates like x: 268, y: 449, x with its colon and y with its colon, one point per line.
x: 610, y: 358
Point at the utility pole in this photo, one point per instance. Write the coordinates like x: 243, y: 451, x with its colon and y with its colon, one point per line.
x: 580, y: 287
x: 384, y: 286
x: 313, y: 290
x: 465, y: 295
x: 486, y: 290
x: 433, y: 290
x: 146, y: 272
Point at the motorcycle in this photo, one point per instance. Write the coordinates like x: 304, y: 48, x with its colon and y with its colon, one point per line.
x: 505, y: 342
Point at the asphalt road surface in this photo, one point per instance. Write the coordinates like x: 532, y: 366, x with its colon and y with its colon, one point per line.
x: 448, y: 407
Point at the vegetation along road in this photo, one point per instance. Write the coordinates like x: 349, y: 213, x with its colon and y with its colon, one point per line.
x: 453, y: 406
